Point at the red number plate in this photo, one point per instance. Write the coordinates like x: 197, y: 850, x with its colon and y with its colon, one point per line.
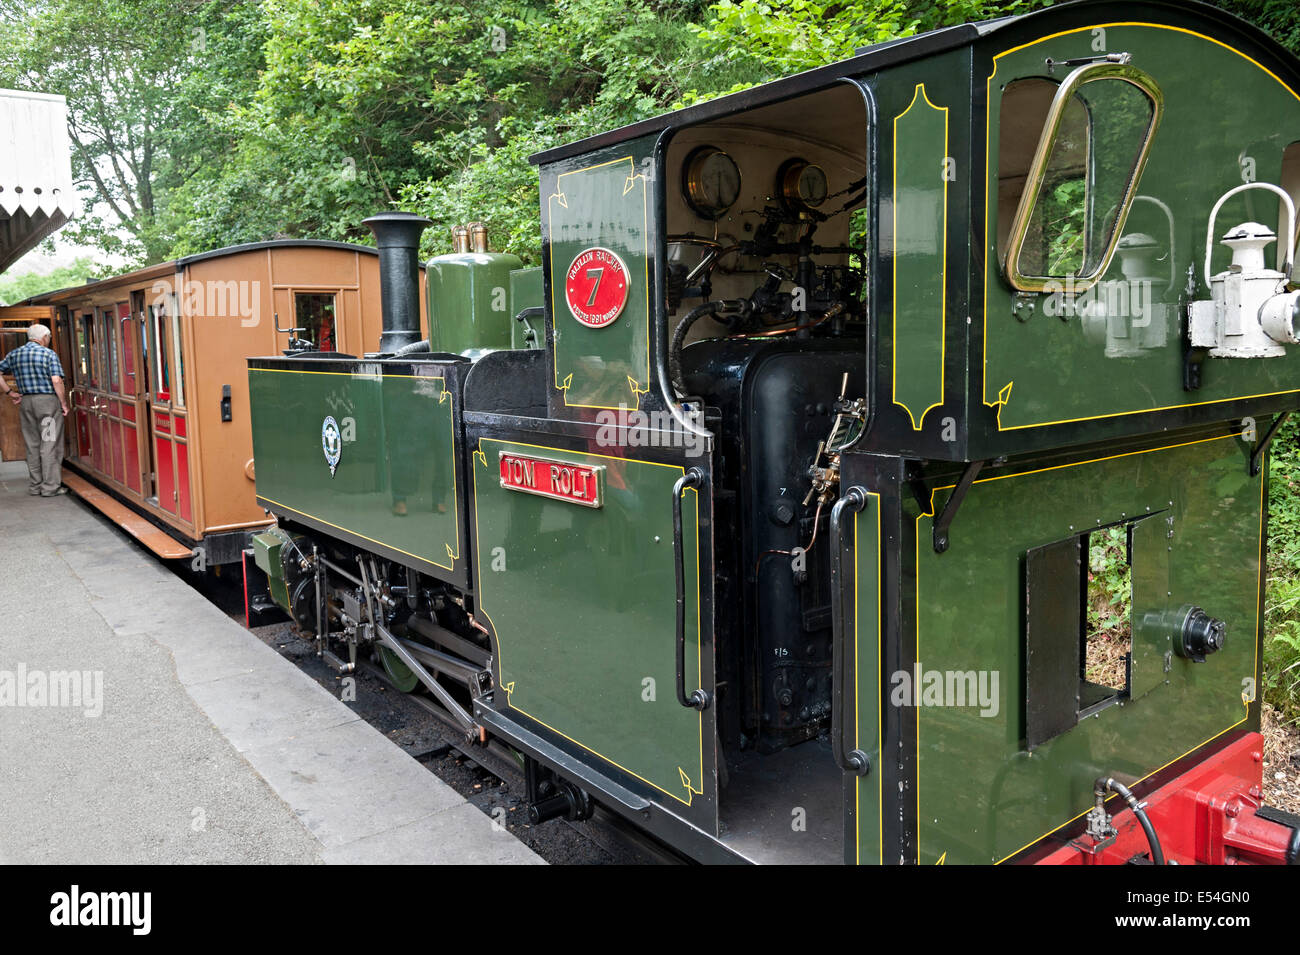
x: 596, y: 287
x: 575, y: 483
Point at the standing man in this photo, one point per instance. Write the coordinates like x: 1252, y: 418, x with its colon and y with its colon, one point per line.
x: 40, y: 397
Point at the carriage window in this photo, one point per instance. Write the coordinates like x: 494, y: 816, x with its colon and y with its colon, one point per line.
x: 1071, y: 199
x: 100, y: 351
x: 83, y: 350
x: 159, y: 339
x: 9, y: 340
x: 110, y: 329
x: 178, y: 388
x: 314, y: 312
x: 90, y: 370
x: 142, y: 329
x: 128, y: 355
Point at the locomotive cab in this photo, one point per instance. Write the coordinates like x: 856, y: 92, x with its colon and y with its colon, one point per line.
x: 767, y: 271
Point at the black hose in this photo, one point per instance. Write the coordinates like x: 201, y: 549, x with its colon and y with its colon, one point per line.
x: 1157, y: 853
x: 684, y: 326
x: 679, y: 339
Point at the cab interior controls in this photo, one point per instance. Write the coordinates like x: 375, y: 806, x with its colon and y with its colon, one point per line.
x: 795, y: 295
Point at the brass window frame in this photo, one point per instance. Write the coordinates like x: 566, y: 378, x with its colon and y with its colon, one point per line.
x: 1089, y: 73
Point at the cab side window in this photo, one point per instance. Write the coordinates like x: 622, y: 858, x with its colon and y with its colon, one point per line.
x: 1070, y: 157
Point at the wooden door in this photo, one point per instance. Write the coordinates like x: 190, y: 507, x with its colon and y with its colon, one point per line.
x: 112, y: 410
x: 79, y: 395
x: 128, y: 404
x: 158, y: 327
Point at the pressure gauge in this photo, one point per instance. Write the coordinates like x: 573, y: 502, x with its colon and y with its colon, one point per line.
x: 710, y: 182
x: 802, y: 184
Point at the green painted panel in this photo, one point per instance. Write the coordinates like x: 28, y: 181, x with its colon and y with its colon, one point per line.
x: 981, y: 797
x: 601, y: 199
x: 1045, y: 370
x: 868, y: 679
x: 396, y: 477
x: 581, y: 601
x: 920, y: 197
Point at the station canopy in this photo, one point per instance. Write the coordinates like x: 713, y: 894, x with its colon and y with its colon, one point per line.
x: 36, y: 194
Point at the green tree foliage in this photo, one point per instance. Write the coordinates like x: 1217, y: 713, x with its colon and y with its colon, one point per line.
x: 121, y: 66
x: 19, y: 288
x: 201, y: 124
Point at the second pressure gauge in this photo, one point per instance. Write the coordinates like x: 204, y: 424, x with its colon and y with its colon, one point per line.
x: 802, y: 184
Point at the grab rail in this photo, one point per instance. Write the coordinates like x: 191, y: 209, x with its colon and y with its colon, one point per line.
x: 855, y: 761
x: 698, y: 699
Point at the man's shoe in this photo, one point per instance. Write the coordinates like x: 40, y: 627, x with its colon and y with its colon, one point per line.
x: 62, y: 490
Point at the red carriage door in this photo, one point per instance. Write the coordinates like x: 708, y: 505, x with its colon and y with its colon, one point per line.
x: 113, y: 398
x: 99, y: 454
x: 170, y: 431
x: 160, y: 361
x: 81, y: 396
x: 130, y: 394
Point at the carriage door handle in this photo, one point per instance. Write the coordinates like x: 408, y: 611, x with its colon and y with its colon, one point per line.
x: 698, y: 699
x: 856, y: 762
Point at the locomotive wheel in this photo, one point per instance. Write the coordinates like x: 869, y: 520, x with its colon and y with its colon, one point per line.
x: 302, y: 602
x: 401, y: 675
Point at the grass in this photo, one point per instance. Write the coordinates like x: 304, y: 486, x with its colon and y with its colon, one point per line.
x: 1110, y: 602
x: 1282, y: 602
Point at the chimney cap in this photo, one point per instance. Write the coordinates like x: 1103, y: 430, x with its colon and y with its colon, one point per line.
x: 397, y: 229
x: 396, y: 216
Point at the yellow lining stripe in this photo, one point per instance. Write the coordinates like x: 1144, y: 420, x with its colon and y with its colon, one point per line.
x: 920, y: 94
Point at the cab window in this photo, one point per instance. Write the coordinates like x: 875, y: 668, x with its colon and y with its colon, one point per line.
x: 1070, y: 156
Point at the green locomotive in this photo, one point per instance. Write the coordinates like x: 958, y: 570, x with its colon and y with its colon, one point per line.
x: 762, y: 514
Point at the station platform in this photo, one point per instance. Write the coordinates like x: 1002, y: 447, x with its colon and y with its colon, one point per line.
x: 178, y: 736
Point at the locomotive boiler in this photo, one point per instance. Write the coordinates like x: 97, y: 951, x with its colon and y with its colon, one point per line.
x: 762, y: 513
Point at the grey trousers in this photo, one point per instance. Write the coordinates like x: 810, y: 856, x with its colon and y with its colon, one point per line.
x: 42, y: 422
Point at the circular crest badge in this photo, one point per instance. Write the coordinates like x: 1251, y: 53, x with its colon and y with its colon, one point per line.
x: 596, y: 287
x: 331, y: 442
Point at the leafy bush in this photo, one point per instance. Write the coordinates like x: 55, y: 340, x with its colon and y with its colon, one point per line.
x: 1282, y: 610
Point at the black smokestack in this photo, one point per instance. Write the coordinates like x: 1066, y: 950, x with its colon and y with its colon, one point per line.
x: 397, y: 234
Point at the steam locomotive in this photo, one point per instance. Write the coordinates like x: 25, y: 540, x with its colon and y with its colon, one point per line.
x: 761, y: 514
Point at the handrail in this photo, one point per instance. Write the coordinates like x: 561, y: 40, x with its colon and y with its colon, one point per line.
x: 855, y: 761
x: 699, y: 699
